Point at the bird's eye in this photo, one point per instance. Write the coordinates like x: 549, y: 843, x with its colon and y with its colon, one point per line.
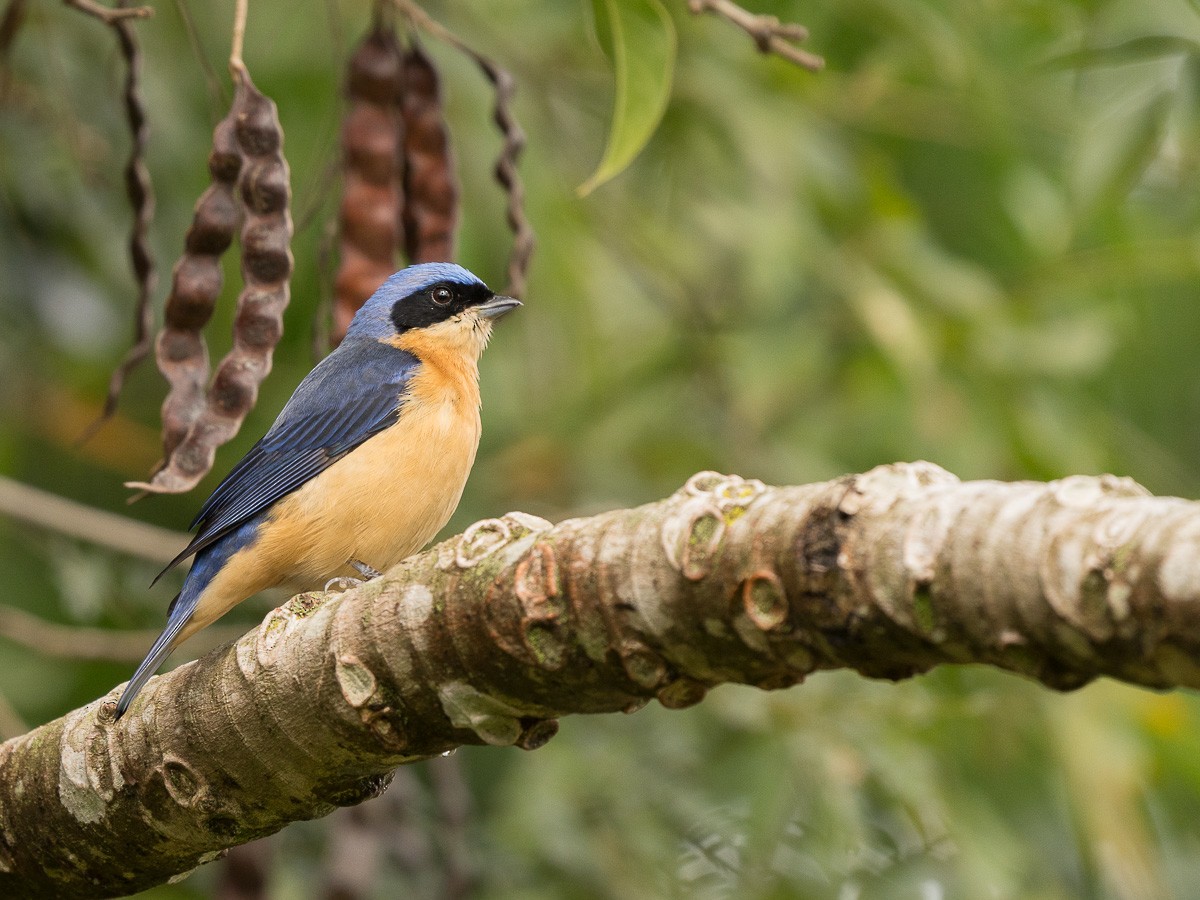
x: 443, y: 296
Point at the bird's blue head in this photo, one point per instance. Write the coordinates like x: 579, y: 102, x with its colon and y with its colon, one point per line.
x: 422, y: 296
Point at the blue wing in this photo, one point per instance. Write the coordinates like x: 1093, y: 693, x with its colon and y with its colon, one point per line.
x: 352, y: 394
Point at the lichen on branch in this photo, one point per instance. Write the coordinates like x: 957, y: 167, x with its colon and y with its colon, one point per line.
x: 488, y: 637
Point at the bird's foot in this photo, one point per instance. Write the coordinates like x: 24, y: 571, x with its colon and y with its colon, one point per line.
x: 367, y: 572
x: 345, y: 582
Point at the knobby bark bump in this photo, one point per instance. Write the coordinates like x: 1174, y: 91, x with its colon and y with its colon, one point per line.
x: 490, y: 636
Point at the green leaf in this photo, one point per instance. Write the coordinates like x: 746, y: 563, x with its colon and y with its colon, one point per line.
x: 643, y: 51
x: 604, y: 27
x: 1137, y: 50
x: 1141, y: 145
x: 1115, y: 154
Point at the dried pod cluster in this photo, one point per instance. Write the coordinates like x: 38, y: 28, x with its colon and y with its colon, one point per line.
x: 399, y: 192
x: 431, y: 192
x: 195, y: 286
x: 507, y: 174
x: 249, y: 197
x: 398, y: 182
x: 372, y: 187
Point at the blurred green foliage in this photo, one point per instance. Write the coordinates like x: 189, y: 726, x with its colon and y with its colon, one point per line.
x: 972, y: 239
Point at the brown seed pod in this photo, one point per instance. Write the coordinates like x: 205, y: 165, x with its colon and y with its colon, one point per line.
x: 263, y: 197
x: 195, y: 286
x: 369, y: 218
x: 430, y: 186
x: 514, y: 143
x: 508, y: 176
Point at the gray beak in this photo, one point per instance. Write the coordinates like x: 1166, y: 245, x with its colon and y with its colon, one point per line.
x: 497, y: 306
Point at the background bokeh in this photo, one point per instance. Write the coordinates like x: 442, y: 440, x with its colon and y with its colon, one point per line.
x: 972, y: 239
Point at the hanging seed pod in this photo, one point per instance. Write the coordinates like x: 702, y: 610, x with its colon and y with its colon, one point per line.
x: 264, y: 194
x: 140, y: 190
x: 506, y: 171
x: 195, y: 286
x: 369, y: 218
x: 430, y: 186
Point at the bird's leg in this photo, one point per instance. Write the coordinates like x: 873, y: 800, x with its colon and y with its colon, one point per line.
x: 367, y: 572
x: 345, y: 582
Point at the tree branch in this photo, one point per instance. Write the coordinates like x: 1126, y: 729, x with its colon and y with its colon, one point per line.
x: 107, y: 14
x: 768, y: 33
x: 488, y: 637
x: 129, y: 536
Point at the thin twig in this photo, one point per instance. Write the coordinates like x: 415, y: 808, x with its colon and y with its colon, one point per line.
x: 216, y: 90
x: 769, y: 34
x: 322, y: 327
x: 108, y: 15
x: 504, y: 86
x: 46, y: 510
x: 319, y: 186
x: 237, y: 68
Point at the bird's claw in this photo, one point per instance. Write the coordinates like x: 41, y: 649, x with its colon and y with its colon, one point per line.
x: 345, y: 582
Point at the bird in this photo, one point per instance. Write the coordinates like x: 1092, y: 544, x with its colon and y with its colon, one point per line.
x: 363, y: 466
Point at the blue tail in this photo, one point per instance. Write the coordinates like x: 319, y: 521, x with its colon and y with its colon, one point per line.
x: 208, y: 563
x: 177, y: 616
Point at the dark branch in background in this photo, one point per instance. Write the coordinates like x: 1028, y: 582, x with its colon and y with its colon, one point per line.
x: 769, y: 34
x: 514, y: 142
x: 246, y: 872
x: 81, y: 643
x: 51, y: 512
x: 354, y: 850
x: 78, y: 643
x: 407, y: 835
x: 453, y: 797
x: 140, y: 190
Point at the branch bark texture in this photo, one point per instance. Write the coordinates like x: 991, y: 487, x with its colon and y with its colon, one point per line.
x: 490, y: 636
